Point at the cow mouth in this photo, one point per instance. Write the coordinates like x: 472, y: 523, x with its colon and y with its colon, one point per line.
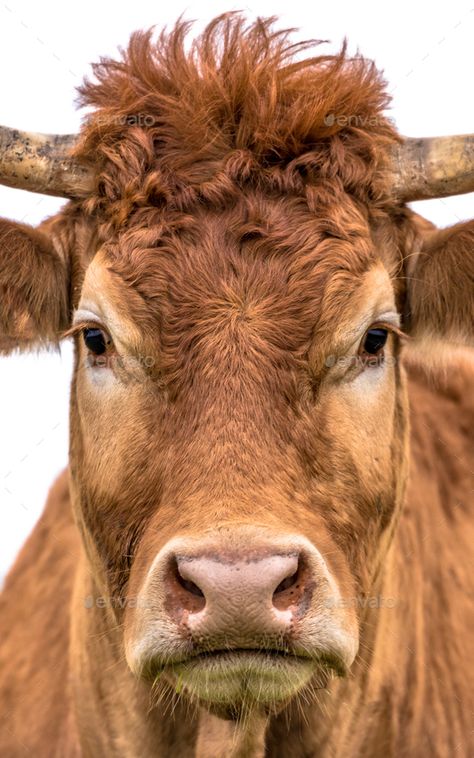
x: 323, y: 662
x: 229, y: 678
x: 276, y: 656
x: 219, y: 652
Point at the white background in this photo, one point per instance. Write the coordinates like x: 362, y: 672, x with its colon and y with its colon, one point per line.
x: 425, y: 49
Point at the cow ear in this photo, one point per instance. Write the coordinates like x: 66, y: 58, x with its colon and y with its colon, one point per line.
x: 440, y: 284
x: 34, y: 287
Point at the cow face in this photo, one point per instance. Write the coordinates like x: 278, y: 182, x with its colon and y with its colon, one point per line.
x: 238, y: 442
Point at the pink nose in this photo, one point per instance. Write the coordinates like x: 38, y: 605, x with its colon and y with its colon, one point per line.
x: 235, y: 599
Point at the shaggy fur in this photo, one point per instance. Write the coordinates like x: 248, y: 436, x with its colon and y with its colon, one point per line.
x: 179, y: 128
x: 240, y: 222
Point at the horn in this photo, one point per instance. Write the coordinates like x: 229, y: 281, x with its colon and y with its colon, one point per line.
x: 429, y: 167
x: 42, y: 163
x: 421, y: 168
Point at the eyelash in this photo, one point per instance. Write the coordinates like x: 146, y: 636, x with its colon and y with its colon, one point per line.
x: 80, y: 326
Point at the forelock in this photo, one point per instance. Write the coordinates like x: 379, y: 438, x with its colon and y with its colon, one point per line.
x: 178, y: 124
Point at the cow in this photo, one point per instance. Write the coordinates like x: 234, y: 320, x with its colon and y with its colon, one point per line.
x: 262, y: 544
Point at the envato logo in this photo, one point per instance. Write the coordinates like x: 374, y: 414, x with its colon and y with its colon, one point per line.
x: 360, y: 601
x: 127, y: 119
x: 359, y: 361
x: 128, y: 368
x: 124, y: 362
x: 355, y: 119
x: 120, y: 603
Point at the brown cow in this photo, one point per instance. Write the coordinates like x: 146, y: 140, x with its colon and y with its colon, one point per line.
x: 272, y: 418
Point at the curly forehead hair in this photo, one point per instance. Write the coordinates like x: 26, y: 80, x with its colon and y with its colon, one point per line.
x: 177, y: 123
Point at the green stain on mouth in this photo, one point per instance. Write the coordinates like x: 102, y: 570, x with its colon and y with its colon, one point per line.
x: 179, y: 685
x: 241, y: 678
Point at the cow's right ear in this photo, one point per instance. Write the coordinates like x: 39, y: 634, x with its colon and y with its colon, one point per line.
x: 440, y: 283
x: 34, y: 287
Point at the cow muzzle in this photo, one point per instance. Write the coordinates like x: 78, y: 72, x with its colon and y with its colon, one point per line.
x: 239, y: 618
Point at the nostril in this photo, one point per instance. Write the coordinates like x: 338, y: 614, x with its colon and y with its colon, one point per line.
x: 183, y: 593
x: 189, y: 585
x: 293, y: 588
x: 286, y: 583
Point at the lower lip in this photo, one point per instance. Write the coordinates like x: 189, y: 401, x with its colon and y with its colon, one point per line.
x: 230, y: 677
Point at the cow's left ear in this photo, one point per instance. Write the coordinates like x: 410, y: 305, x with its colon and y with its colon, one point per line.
x: 440, y: 286
x: 34, y: 287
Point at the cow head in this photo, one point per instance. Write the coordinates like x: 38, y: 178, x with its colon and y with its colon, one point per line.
x: 240, y: 273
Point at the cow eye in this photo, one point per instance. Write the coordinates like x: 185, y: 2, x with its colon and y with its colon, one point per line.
x: 96, y: 340
x: 374, y: 341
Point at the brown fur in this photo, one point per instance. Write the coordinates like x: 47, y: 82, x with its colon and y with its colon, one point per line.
x: 33, y: 288
x: 443, y: 306
x: 235, y: 237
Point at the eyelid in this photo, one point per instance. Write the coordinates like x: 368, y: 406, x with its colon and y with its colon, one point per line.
x: 391, y: 327
x: 84, y: 315
x: 83, y: 319
x: 79, y: 326
x: 389, y: 317
x: 388, y: 320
